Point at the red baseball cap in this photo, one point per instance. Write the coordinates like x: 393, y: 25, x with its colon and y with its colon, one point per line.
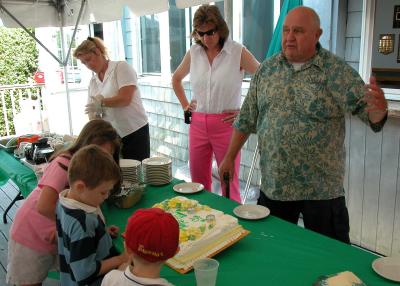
x: 153, y: 234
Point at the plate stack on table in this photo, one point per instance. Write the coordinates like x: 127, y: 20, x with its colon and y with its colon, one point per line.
x: 130, y: 171
x: 157, y: 170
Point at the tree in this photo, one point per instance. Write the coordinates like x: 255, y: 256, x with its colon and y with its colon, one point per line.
x: 18, y: 62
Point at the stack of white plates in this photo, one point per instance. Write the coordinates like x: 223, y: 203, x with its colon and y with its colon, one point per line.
x: 130, y: 171
x: 157, y: 170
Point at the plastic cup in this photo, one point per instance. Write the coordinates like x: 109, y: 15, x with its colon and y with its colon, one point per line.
x: 206, y: 270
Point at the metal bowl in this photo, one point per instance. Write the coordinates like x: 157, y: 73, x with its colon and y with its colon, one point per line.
x: 129, y: 196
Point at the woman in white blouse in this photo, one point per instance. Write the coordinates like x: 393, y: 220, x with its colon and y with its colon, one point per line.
x: 115, y: 97
x: 216, y: 65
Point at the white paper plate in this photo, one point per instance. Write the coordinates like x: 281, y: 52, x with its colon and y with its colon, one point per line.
x: 158, y: 182
x: 388, y: 267
x: 157, y: 161
x: 128, y: 163
x: 188, y: 188
x: 251, y: 211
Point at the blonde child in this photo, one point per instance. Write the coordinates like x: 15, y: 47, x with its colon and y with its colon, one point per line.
x: 85, y: 247
x: 32, y: 248
x: 151, y: 237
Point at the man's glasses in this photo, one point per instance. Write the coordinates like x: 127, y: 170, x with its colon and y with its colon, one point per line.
x: 208, y: 33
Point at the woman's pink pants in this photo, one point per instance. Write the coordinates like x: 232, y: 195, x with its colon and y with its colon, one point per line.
x: 209, y: 135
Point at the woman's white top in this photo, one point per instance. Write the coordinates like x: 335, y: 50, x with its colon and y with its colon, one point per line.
x: 216, y: 87
x: 127, y: 119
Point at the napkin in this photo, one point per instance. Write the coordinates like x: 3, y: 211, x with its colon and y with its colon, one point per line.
x: 345, y: 278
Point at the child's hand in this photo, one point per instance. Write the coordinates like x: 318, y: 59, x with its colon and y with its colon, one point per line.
x: 113, y: 231
x: 52, y: 237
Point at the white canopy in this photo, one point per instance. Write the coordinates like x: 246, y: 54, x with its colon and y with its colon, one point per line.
x: 58, y: 13
x: 190, y: 3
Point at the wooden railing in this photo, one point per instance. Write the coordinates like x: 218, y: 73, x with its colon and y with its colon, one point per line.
x: 11, y: 99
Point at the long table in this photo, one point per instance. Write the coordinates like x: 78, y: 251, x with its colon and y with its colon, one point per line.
x: 22, y: 176
x: 274, y: 253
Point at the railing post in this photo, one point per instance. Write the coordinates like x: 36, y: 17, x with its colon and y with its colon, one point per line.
x: 3, y: 102
x: 13, y: 103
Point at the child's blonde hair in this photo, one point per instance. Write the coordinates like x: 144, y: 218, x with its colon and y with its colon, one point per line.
x: 93, y: 166
x: 89, y: 46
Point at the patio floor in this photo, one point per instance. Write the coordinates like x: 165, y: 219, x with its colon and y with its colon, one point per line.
x: 7, y: 193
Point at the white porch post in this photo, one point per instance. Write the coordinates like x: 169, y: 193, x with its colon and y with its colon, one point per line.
x: 367, y: 37
x: 228, y: 11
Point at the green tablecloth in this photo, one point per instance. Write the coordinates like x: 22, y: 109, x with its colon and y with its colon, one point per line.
x: 11, y: 168
x: 274, y: 253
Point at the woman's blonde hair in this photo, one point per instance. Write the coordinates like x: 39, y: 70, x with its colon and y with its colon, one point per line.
x: 89, y: 46
x: 210, y: 14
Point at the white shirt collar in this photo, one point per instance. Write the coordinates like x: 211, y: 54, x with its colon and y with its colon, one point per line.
x: 145, y: 281
x: 227, y: 48
x: 76, y: 205
x: 111, y: 67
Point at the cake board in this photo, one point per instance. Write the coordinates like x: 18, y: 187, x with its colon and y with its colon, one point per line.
x: 188, y: 267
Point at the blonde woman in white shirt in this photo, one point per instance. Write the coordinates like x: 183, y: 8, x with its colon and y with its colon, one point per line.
x: 115, y: 97
x: 216, y: 66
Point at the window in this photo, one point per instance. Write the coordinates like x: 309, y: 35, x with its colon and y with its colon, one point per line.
x: 324, y: 11
x: 178, y: 32
x: 164, y: 38
x: 150, y: 44
x: 73, y: 69
x: 253, y: 25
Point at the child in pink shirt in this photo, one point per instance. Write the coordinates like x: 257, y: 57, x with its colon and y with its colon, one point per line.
x: 32, y: 248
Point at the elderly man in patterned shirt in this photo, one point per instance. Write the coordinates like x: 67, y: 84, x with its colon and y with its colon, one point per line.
x: 297, y: 103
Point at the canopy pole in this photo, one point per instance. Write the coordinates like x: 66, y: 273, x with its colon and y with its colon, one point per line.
x: 66, y: 81
x: 75, y: 29
x: 66, y: 57
x: 248, y: 182
x: 29, y: 33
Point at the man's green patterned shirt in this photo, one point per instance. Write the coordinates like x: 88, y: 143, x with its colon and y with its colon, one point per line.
x: 299, y: 117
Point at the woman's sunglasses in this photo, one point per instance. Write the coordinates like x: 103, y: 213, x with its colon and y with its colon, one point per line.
x: 208, y: 33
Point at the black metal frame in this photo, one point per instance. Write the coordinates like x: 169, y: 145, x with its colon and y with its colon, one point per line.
x: 17, y: 198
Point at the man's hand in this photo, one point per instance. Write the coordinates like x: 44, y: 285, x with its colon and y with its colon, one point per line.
x: 376, y: 102
x: 231, y: 115
x: 227, y: 166
x: 95, y: 105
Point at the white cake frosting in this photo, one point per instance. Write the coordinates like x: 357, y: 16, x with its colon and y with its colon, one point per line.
x: 203, y: 230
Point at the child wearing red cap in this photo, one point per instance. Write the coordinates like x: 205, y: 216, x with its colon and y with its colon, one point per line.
x: 151, y: 237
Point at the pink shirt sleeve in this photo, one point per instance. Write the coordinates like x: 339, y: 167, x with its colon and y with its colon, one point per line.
x: 55, y: 176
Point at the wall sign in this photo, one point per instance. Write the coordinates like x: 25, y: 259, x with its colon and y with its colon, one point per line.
x: 386, y: 43
x: 396, y: 17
